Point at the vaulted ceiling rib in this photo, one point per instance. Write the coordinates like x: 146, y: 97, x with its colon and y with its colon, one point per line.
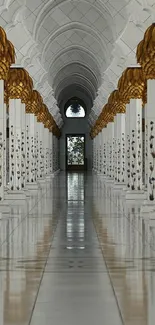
x: 82, y: 44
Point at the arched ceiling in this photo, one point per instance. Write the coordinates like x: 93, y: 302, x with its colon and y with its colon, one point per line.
x: 76, y: 46
x: 75, y: 38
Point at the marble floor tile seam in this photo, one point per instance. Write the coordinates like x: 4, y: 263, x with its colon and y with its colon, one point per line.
x: 110, y: 278
x: 41, y: 278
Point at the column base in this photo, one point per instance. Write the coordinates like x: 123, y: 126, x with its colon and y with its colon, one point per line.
x: 48, y: 178
x: 41, y: 181
x: 27, y: 192
x: 148, y: 207
x: 4, y: 207
x: 118, y: 186
x: 32, y: 186
x: 102, y: 175
x: 15, y: 195
x: 109, y: 181
x: 135, y: 195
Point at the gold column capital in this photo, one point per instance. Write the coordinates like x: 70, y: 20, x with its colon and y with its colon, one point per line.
x: 7, y: 55
x: 19, y: 84
x: 131, y: 84
x: 146, y: 53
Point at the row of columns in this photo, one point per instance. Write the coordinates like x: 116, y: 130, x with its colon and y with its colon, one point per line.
x: 124, y: 150
x: 32, y: 149
x: 124, y: 134
x: 118, y: 148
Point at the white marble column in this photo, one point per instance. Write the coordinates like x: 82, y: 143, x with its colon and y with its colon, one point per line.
x: 40, y: 169
x: 54, y: 154
x: 57, y: 148
x: 150, y: 133
x: 111, y: 148
x: 4, y: 148
x: 94, y: 154
x: 102, y: 148
x: 51, y: 152
x: 35, y: 148
x: 120, y: 149
x: 127, y: 145
x: 107, y: 152
x: 46, y: 148
x: 104, y: 137
x: 134, y: 150
x: 145, y: 148
x: 31, y: 151
x: 2, y: 140
x: 136, y: 144
x: 15, y: 141
x: 23, y: 145
x: 115, y: 149
x: 99, y: 152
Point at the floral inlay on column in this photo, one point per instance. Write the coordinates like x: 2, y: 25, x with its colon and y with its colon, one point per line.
x: 139, y: 153
x: 133, y: 162
x: 27, y: 150
x: 131, y: 86
x: 123, y: 158
x: 104, y: 158
x: 152, y: 163
x: 128, y: 161
x: 118, y: 161
x: 12, y: 158
x: 146, y: 155
x: 145, y: 57
x: 23, y: 163
x: 4, y: 140
x: 34, y: 137
x: 19, y: 88
x: 115, y: 158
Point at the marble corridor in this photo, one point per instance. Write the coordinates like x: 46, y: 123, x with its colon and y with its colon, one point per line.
x: 75, y: 253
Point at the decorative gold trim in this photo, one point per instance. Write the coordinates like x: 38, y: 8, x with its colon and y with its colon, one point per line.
x: 19, y: 84
x: 7, y: 55
x: 34, y: 103
x: 146, y: 53
x: 131, y: 84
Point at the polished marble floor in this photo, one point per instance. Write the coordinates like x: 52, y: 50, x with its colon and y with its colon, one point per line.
x: 76, y: 254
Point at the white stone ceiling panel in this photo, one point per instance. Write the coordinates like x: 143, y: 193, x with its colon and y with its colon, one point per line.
x: 7, y: 15
x: 33, y: 5
x: 132, y: 35
x: 117, y: 4
x: 3, y: 23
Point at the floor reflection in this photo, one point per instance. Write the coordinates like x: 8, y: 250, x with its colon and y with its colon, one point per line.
x: 73, y: 247
x: 25, y: 243
x: 129, y: 255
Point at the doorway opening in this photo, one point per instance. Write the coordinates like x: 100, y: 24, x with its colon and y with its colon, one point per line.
x: 75, y: 152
